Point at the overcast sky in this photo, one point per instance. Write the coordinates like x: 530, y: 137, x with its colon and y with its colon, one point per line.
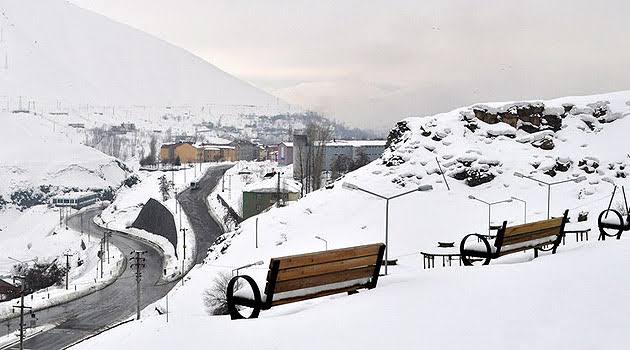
x: 371, y: 63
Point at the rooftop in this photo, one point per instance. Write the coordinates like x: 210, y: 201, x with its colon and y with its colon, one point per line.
x: 270, y: 185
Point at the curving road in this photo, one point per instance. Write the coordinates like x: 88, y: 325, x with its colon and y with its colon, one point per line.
x: 194, y: 204
x: 116, y: 302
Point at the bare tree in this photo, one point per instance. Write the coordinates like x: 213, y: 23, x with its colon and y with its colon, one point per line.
x: 215, y: 298
x: 318, y: 135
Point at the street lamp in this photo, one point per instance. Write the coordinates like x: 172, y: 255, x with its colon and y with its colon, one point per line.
x: 420, y: 188
x: 524, y: 210
x: 549, y: 184
x: 489, y: 204
x: 246, y: 266
x: 321, y: 239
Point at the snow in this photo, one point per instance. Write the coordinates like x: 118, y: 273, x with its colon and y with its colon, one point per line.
x: 32, y: 154
x: 555, y: 301
x: 271, y: 185
x: 105, y: 62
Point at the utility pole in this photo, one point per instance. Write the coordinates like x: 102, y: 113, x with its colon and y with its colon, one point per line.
x: 138, y: 263
x: 101, y: 254
x: 106, y: 236
x: 183, y: 229
x: 21, y: 307
x: 67, y: 267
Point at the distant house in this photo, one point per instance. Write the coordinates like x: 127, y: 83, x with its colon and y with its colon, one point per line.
x: 271, y: 153
x: 285, y: 153
x: 76, y: 200
x: 189, y: 152
x: 245, y: 150
x: 8, y: 290
x: 352, y: 149
x: 263, y: 194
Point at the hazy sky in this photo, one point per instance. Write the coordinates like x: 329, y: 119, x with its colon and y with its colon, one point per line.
x: 371, y: 63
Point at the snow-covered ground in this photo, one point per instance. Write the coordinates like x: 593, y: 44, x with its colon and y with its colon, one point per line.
x: 121, y: 214
x: 46, y: 246
x: 574, y: 299
x: 33, y: 154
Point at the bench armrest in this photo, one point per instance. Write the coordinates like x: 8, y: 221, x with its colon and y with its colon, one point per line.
x: 234, y: 301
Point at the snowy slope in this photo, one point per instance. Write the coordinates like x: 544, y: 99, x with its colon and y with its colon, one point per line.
x: 553, y: 301
x: 32, y: 154
x: 56, y: 51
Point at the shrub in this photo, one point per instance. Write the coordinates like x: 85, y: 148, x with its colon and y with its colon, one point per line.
x: 107, y: 194
x: 28, y: 198
x: 3, y: 202
x: 132, y: 180
x: 40, y: 275
x: 215, y: 298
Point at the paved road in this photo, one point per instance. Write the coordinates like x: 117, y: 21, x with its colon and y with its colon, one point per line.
x: 117, y: 302
x: 194, y: 205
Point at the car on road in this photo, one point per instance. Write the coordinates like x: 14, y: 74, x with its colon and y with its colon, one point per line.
x: 194, y: 185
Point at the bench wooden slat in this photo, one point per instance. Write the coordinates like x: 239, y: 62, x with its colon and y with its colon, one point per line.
x: 292, y: 261
x: 320, y: 280
x: 316, y: 295
x: 534, y: 226
x: 530, y: 236
x: 324, y: 268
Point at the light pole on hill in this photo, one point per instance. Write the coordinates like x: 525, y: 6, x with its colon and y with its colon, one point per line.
x: 549, y: 184
x: 323, y: 240
x: 524, y: 209
x: 489, y: 204
x: 421, y: 188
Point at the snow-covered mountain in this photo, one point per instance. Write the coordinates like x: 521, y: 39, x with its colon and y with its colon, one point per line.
x: 55, y: 51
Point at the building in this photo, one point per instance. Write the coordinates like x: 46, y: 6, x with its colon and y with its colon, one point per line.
x: 189, y: 152
x: 76, y: 200
x: 245, y: 150
x: 352, y: 149
x: 285, y: 153
x: 261, y: 195
x: 271, y: 153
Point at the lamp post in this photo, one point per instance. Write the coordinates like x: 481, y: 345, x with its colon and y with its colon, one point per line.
x: 321, y: 239
x: 489, y: 204
x: 549, y: 184
x: 421, y: 188
x: 524, y: 209
x: 246, y: 266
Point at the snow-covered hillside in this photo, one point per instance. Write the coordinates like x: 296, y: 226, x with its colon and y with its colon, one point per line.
x: 553, y: 300
x: 56, y: 51
x: 33, y: 154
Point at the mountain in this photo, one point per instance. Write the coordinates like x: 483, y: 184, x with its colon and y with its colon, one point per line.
x: 54, y: 52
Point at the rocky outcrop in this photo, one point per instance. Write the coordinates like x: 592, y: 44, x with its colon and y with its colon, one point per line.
x: 529, y: 117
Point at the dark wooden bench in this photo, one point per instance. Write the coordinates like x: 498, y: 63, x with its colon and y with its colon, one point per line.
x: 307, y: 276
x: 543, y: 235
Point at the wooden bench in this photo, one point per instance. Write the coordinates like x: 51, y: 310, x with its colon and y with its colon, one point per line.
x: 543, y: 235
x: 307, y: 276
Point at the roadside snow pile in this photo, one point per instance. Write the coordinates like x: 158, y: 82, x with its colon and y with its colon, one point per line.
x: 581, y: 273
